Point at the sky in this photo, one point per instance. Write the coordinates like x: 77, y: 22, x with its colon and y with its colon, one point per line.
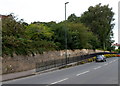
x: 54, y: 10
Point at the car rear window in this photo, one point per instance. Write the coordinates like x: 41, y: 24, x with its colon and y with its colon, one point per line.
x: 99, y: 57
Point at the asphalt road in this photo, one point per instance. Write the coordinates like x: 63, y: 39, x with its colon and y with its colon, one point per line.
x: 89, y: 73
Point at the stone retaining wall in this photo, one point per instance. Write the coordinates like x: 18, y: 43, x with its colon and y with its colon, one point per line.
x: 23, y: 63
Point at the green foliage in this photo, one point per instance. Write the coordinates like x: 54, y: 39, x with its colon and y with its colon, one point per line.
x: 93, y: 30
x: 59, y: 35
x: 90, y: 60
x: 38, y: 32
x: 73, y: 18
x: 78, y: 36
x: 110, y: 55
x: 82, y: 62
x: 117, y: 50
x: 22, y: 39
x: 12, y: 27
x: 94, y: 58
x: 99, y: 20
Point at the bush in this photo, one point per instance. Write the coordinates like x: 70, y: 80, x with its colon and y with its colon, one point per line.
x: 94, y: 58
x: 110, y: 55
x: 90, y: 60
x: 82, y: 62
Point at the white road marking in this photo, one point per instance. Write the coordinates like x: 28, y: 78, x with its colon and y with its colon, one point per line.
x: 115, y: 60
x: 82, y: 73
x: 59, y: 81
x: 97, y: 67
x: 106, y: 64
x: 110, y: 62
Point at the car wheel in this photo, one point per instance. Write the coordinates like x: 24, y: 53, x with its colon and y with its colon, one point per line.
x: 104, y: 60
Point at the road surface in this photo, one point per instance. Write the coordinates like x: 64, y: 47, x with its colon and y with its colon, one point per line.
x: 89, y: 73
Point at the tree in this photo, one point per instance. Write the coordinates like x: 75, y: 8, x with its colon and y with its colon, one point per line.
x: 13, y: 36
x: 73, y: 18
x: 12, y: 27
x: 41, y: 37
x: 79, y: 36
x: 59, y: 35
x: 22, y: 39
x: 100, y: 21
x: 39, y: 32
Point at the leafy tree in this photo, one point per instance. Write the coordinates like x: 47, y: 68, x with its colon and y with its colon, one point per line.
x: 100, y: 21
x: 59, y: 35
x: 92, y: 30
x: 22, y: 39
x: 39, y: 32
x: 117, y: 50
x: 73, y: 18
x: 93, y: 42
x: 12, y: 33
x: 41, y: 37
x: 79, y: 36
x: 12, y: 27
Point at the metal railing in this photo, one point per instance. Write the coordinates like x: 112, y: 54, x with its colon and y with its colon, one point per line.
x: 45, y: 65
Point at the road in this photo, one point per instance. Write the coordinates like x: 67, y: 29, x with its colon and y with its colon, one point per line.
x: 89, y: 73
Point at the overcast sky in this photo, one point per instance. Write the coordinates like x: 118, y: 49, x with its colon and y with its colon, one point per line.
x: 53, y: 10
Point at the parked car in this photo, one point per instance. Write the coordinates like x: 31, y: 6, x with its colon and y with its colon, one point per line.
x: 100, y: 58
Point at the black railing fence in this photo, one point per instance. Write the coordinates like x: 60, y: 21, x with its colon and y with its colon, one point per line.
x: 45, y: 65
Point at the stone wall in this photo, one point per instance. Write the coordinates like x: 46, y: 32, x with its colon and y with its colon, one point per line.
x: 23, y: 63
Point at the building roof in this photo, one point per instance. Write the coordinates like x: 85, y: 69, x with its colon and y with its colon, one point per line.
x: 116, y: 44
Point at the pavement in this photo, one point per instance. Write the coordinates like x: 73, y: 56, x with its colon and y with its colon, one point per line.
x: 89, y: 73
x: 17, y: 75
x: 11, y: 76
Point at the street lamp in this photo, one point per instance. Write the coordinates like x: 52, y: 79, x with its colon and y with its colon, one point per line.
x: 65, y: 34
x: 65, y: 9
